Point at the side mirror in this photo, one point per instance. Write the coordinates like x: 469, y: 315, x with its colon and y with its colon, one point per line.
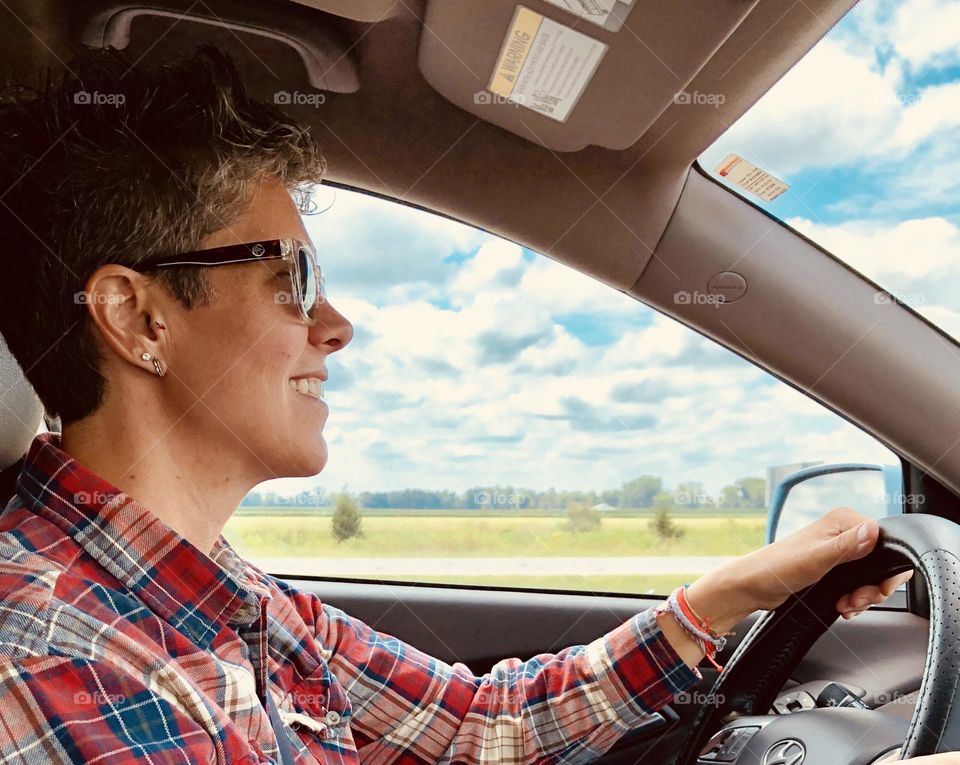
x: 874, y: 490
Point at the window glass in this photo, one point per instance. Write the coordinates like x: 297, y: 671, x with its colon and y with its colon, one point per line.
x: 501, y: 419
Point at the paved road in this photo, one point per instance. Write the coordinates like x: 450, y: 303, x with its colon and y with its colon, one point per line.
x: 423, y: 567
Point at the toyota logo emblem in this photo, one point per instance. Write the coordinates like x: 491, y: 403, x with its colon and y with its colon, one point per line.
x: 786, y: 752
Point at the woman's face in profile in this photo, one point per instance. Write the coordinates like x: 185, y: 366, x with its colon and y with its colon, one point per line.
x: 245, y: 368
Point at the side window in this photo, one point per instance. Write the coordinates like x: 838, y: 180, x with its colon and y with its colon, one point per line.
x: 501, y: 419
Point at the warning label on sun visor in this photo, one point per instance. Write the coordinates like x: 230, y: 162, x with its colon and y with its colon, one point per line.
x: 544, y: 65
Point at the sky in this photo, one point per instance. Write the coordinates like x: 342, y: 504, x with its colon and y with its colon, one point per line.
x: 478, y: 362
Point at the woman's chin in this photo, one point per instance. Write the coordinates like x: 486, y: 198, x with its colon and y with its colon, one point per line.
x: 312, y: 459
x: 300, y: 452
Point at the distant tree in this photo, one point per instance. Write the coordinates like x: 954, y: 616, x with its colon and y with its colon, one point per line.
x: 373, y: 499
x: 449, y: 500
x: 611, y: 498
x: 662, y: 523
x: 754, y: 491
x: 731, y: 497
x: 640, y: 491
x: 346, y: 521
x: 309, y: 498
x: 745, y: 493
x: 588, y: 498
x: 550, y: 500
x: 689, y: 494
x: 582, y: 518
x: 663, y: 499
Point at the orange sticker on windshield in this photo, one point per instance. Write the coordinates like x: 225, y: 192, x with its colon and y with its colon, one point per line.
x: 751, y: 178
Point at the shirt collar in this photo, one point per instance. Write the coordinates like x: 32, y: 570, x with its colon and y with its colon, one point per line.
x: 195, y: 592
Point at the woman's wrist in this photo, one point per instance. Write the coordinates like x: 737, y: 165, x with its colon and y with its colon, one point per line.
x: 683, y: 643
x: 721, y: 597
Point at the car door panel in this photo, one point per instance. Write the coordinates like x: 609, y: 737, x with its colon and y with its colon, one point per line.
x: 482, y: 626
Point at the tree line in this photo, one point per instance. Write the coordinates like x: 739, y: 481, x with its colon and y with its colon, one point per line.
x: 643, y: 492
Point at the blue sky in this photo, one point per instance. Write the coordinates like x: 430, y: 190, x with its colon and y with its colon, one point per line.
x: 478, y: 362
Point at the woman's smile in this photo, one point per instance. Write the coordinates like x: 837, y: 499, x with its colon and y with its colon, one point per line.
x: 308, y: 386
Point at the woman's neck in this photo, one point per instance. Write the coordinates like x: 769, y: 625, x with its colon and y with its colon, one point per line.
x: 177, y: 475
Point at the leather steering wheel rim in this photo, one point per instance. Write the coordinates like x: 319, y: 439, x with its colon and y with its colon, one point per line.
x: 765, y: 658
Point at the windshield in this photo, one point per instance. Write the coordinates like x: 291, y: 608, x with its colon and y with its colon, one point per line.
x: 865, y: 131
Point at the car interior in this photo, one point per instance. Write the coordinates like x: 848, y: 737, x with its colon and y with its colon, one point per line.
x: 613, y: 190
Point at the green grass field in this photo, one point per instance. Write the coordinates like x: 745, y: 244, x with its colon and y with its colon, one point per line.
x: 680, y: 511
x: 437, y: 537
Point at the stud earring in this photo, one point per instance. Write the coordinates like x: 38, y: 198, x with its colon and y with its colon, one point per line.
x: 156, y: 362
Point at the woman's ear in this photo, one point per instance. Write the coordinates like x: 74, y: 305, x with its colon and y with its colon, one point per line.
x: 121, y: 303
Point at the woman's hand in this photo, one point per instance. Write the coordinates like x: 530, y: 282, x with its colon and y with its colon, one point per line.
x: 765, y: 578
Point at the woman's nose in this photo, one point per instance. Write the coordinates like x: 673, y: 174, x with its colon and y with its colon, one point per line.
x: 332, y: 330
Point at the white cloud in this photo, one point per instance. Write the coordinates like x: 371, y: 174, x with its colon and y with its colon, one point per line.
x: 853, y: 99
x: 933, y: 110
x: 829, y: 109
x: 924, y: 32
x: 497, y: 268
x: 916, y: 260
x: 923, y: 248
x: 946, y: 318
x: 563, y: 290
x: 662, y: 340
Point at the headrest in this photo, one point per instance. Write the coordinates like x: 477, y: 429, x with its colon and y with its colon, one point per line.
x: 21, y: 412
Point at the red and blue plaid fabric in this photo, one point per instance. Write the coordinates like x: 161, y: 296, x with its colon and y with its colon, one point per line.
x: 120, y: 642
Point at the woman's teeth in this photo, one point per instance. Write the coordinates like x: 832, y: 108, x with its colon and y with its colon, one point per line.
x: 308, y: 386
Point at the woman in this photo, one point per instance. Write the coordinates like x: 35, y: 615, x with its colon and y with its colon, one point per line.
x: 165, y: 301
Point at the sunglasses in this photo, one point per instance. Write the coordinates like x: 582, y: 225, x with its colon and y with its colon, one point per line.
x: 307, y: 286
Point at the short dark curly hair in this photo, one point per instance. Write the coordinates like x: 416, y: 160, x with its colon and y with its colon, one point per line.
x: 115, y: 163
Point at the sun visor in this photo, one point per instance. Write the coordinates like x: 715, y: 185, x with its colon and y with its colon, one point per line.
x: 572, y: 73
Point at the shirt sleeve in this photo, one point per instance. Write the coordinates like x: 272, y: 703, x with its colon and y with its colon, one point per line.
x: 59, y: 709
x: 571, y: 706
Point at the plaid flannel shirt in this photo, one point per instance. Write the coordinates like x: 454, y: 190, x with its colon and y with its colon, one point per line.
x: 121, y: 642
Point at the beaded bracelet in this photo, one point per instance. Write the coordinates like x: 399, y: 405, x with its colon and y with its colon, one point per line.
x: 699, y: 629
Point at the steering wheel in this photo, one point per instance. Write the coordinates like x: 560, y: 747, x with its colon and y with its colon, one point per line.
x: 746, y: 689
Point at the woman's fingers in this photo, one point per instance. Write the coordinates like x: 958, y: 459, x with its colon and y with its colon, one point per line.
x: 862, y: 598
x: 888, y: 586
x: 851, y: 614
